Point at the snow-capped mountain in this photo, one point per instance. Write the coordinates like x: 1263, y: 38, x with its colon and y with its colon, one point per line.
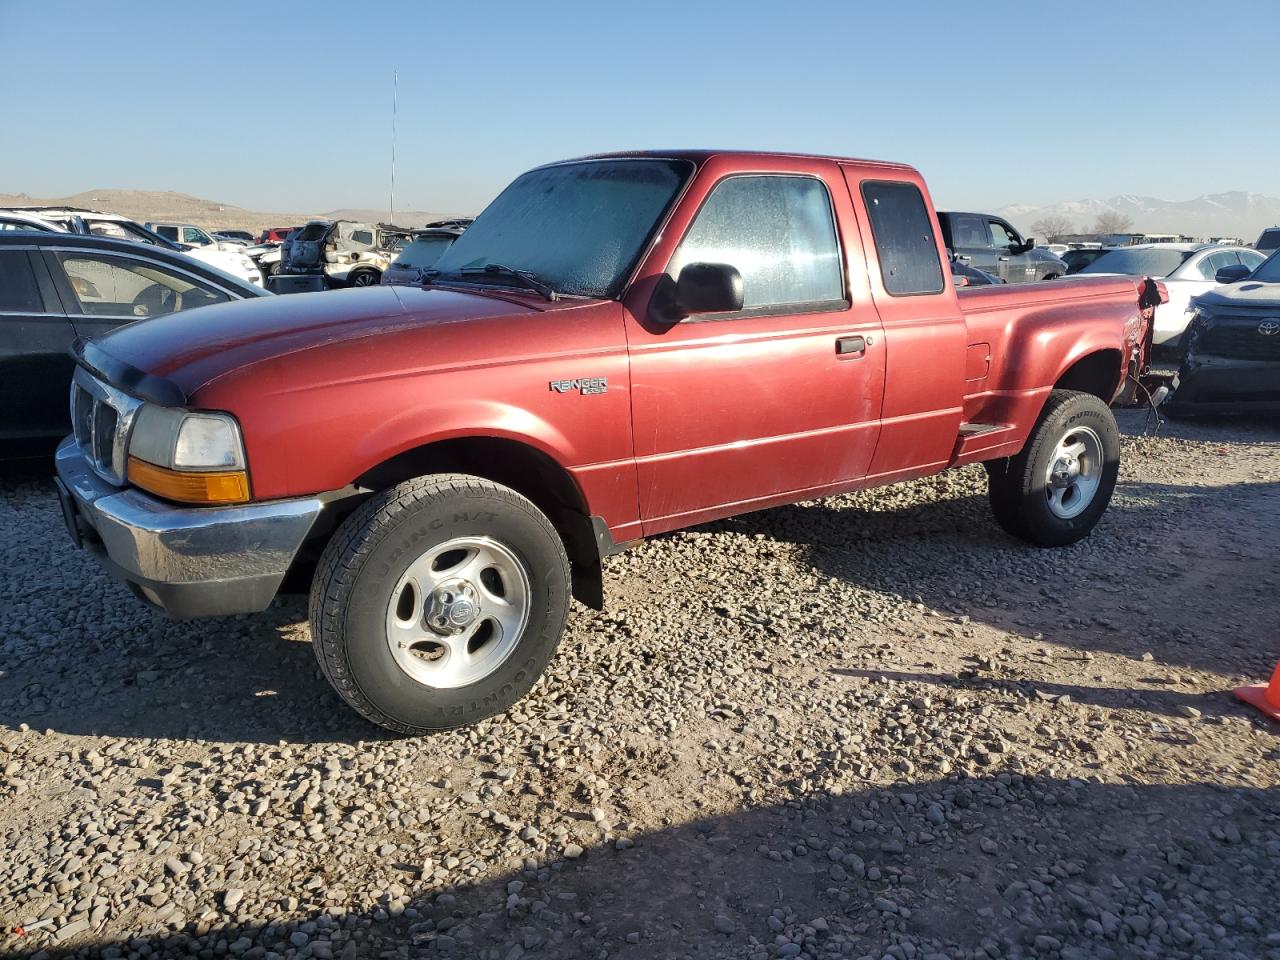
x: 1232, y: 214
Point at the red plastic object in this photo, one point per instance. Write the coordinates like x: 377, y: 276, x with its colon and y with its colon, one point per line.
x: 1264, y: 696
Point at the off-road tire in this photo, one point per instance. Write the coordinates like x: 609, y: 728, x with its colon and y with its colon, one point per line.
x: 1017, y: 486
x: 366, y: 558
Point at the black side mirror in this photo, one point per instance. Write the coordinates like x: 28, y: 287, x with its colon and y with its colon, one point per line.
x: 1232, y: 274
x: 1026, y: 246
x: 700, y: 288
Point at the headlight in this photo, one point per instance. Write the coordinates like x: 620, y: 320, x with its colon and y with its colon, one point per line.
x: 188, y: 457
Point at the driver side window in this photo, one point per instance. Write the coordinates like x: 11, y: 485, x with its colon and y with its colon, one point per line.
x: 108, y: 286
x: 780, y: 234
x: 1000, y: 235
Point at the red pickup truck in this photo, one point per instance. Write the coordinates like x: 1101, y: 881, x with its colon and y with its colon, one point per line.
x: 619, y: 346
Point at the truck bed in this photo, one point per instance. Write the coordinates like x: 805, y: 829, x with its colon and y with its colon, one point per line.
x: 1014, y: 329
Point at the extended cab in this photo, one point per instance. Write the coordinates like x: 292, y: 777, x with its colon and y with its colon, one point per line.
x: 618, y: 347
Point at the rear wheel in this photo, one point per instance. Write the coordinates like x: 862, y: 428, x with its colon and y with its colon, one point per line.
x: 439, y: 603
x: 364, y: 278
x: 1054, y: 492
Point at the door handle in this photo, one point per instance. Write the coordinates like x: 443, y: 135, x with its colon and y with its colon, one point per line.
x: 1003, y: 259
x: 963, y: 258
x: 851, y: 346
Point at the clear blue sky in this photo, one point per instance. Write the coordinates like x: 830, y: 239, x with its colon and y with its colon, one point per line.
x: 286, y: 106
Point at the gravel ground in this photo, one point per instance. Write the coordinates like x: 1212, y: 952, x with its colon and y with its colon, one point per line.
x: 872, y: 726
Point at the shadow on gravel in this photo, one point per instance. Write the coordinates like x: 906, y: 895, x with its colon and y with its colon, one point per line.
x: 235, y: 680
x: 1168, y: 702
x: 999, y: 866
x: 1177, y: 571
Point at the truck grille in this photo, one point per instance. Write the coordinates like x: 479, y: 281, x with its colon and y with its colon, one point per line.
x: 101, y: 418
x: 1239, y: 339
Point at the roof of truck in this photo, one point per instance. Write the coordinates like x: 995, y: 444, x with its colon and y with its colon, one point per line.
x: 700, y: 156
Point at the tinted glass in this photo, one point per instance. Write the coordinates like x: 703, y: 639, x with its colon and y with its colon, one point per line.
x: 1137, y: 262
x: 18, y: 290
x: 777, y: 231
x: 967, y: 231
x: 578, y: 226
x: 169, y: 233
x: 1269, y: 240
x: 362, y: 236
x: 1269, y: 272
x: 108, y: 286
x: 903, y: 232
x: 423, y: 251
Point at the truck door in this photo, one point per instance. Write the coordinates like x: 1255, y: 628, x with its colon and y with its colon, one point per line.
x: 732, y: 411
x: 925, y: 336
x: 1010, y: 267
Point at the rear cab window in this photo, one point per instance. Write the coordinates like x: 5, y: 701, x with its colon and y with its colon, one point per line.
x: 903, y: 233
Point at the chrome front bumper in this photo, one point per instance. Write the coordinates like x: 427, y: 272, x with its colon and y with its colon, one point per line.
x: 189, y: 561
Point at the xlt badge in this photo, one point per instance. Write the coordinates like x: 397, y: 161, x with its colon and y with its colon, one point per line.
x: 584, y: 385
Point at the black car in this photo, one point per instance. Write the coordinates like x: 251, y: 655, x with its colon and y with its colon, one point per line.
x: 963, y: 275
x: 55, y: 287
x: 1077, y: 260
x: 235, y: 236
x: 1231, y: 350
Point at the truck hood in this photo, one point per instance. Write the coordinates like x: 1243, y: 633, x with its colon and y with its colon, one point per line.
x: 168, y: 358
x: 1246, y: 293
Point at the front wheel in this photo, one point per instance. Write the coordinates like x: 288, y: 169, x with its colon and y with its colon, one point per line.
x: 439, y: 602
x: 1054, y: 492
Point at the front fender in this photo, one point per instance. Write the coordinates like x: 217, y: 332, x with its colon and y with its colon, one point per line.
x: 453, y: 420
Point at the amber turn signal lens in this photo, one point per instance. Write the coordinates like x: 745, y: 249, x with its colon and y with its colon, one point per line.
x: 231, y: 487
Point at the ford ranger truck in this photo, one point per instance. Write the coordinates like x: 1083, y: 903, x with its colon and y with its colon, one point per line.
x: 618, y: 347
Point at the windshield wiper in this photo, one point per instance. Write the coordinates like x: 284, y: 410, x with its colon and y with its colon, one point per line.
x: 527, y: 278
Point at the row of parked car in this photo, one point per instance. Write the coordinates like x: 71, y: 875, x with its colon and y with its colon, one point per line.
x: 68, y: 272
x: 320, y: 255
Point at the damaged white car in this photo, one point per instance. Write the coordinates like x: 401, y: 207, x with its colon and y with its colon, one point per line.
x: 336, y: 253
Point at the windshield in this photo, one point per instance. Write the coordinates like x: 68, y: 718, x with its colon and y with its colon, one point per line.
x: 1269, y: 270
x: 122, y: 230
x: 1145, y: 262
x: 423, y: 251
x: 578, y: 226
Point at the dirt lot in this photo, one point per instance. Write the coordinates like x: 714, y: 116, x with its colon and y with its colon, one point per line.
x: 873, y: 726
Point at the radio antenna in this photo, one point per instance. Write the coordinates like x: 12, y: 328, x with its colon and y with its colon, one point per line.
x: 395, y: 93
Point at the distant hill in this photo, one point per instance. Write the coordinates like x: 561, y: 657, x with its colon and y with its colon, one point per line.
x: 1232, y: 214
x: 143, y: 205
